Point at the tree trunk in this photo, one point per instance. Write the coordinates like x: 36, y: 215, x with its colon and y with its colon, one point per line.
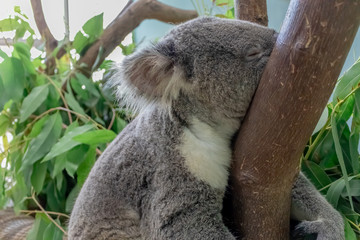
x: 295, y: 87
x: 252, y: 10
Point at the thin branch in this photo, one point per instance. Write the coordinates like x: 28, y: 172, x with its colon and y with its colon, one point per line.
x: 50, y: 41
x: 98, y: 152
x: 46, y: 213
x: 10, y: 42
x: 49, y: 212
x: 112, y: 119
x: 66, y: 21
x: 127, y: 22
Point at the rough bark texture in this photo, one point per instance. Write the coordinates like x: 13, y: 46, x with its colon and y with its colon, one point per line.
x: 126, y: 22
x: 253, y: 11
x: 295, y: 87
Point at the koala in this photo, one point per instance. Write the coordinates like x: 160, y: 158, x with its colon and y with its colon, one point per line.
x: 165, y: 175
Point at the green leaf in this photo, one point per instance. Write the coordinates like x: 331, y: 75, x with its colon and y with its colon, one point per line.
x: 77, y: 87
x: 8, y: 24
x: 346, y: 109
x: 37, y: 231
x: 127, y: 49
x: 31, y: 102
x: 347, y: 82
x: 85, y: 167
x: 55, y: 200
x: 22, y: 51
x: 89, y: 85
x: 354, y: 188
x: 316, y: 174
x: 354, y: 153
x: 334, y: 192
x: 80, y: 42
x: 355, y: 124
x: 3, y: 54
x: 349, y: 232
x: 94, y: 26
x: 96, y: 137
x: 66, y: 142
x: 74, y: 158
x: 12, y: 80
x: 4, y: 123
x: 38, y: 176
x: 38, y: 126
x: 73, y: 104
x: 53, y: 232
x: 70, y: 201
x: 120, y: 124
x: 339, y: 154
x: 42, y: 143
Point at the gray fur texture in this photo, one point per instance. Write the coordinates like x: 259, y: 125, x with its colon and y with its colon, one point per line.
x: 165, y: 175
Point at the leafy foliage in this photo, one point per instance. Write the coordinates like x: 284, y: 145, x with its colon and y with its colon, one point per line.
x: 331, y: 159
x: 59, y: 124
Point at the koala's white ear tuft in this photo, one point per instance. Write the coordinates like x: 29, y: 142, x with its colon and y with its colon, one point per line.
x: 151, y: 75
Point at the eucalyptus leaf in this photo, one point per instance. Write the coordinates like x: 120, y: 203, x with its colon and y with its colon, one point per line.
x: 80, y: 42
x: 37, y: 231
x: 42, y: 143
x: 316, y: 174
x: 73, y: 104
x: 94, y: 26
x: 52, y: 232
x: 85, y: 167
x: 339, y: 154
x: 334, y: 192
x: 4, y: 123
x: 31, y: 102
x: 8, y: 24
x: 12, y: 80
x: 347, y: 82
x: 66, y: 142
x: 349, y: 232
x: 38, y: 176
x: 96, y: 137
x: 70, y: 200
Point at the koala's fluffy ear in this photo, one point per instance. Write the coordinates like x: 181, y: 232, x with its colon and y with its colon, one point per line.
x: 152, y: 75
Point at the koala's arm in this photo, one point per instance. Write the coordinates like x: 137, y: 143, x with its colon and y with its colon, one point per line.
x: 315, y: 214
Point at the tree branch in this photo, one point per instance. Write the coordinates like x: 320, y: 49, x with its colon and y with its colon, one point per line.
x: 253, y: 11
x: 127, y: 22
x: 50, y: 41
x: 295, y: 87
x: 10, y: 42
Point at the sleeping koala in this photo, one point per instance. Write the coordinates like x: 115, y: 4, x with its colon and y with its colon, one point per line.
x: 165, y: 175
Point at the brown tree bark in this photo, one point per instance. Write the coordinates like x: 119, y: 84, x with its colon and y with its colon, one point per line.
x: 252, y: 10
x: 126, y: 22
x: 295, y: 87
x: 50, y: 41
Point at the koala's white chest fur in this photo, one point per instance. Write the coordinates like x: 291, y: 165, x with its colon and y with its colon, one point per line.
x: 207, y: 153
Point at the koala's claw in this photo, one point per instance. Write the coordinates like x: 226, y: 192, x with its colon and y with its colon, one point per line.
x: 325, y: 230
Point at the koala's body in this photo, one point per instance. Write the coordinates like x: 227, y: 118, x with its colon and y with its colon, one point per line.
x: 165, y: 175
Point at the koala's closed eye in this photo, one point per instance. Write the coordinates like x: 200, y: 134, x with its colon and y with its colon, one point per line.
x: 254, y: 53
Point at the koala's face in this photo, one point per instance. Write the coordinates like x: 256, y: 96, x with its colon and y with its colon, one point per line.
x: 214, y: 63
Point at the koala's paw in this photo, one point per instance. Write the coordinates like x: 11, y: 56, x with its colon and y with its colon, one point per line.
x: 322, y: 228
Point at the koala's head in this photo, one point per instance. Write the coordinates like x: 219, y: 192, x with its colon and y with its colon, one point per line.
x: 208, y: 67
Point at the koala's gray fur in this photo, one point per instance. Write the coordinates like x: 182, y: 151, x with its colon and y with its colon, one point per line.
x: 165, y: 175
